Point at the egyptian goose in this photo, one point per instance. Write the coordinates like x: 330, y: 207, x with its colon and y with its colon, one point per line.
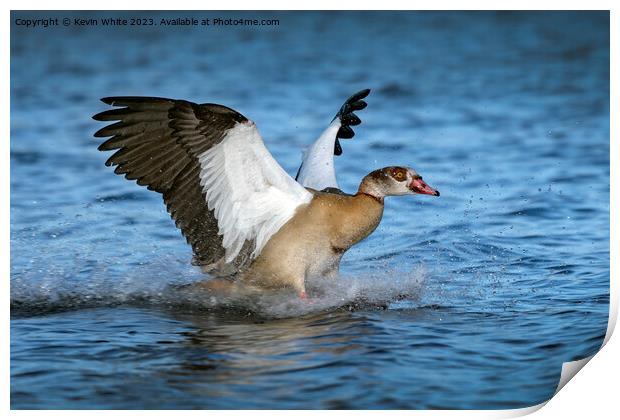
x: 244, y: 216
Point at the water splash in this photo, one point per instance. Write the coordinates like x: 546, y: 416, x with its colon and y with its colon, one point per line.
x: 367, y: 291
x: 159, y: 284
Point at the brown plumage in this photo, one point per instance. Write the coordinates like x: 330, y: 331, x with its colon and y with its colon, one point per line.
x: 314, y: 240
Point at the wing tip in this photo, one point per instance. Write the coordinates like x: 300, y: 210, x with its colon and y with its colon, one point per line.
x: 362, y: 93
x: 131, y: 100
x: 105, y: 115
x: 106, y: 131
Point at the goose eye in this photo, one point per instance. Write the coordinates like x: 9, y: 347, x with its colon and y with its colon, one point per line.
x: 398, y: 175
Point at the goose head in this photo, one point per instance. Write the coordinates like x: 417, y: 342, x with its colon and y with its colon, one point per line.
x: 395, y: 180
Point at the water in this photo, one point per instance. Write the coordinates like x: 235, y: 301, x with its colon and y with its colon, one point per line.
x: 469, y: 300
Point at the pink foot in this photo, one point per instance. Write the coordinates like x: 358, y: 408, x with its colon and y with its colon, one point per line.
x: 304, y: 296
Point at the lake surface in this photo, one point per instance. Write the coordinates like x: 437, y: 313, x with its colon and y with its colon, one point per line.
x: 469, y: 300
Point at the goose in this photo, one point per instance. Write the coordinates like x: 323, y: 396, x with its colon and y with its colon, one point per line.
x: 249, y: 223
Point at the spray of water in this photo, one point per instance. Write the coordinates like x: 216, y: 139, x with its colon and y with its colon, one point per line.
x: 49, y: 289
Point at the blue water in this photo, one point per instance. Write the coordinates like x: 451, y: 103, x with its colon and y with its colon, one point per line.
x: 505, y: 276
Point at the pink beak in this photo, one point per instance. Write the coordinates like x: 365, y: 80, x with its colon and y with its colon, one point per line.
x: 421, y: 187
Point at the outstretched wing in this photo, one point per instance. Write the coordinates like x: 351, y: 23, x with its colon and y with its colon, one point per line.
x: 220, y: 184
x: 317, y: 167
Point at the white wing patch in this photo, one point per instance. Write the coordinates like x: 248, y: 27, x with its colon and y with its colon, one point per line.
x: 251, y: 195
x: 317, y: 162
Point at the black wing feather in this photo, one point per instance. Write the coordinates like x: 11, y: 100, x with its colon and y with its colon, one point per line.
x: 348, y: 117
x: 157, y: 142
